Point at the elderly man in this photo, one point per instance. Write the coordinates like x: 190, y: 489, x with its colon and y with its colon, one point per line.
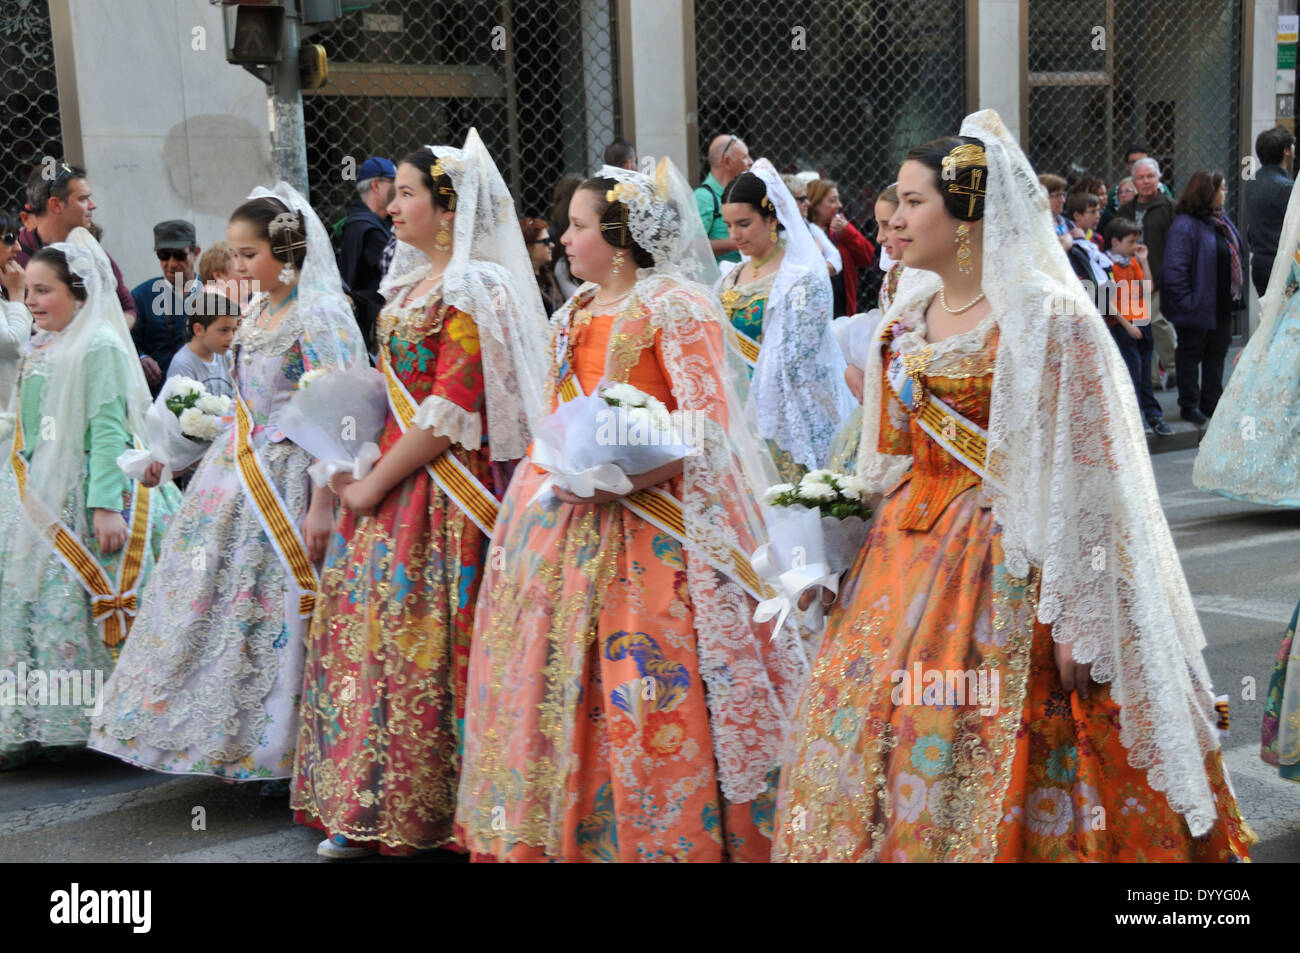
x: 1135, y: 152
x: 1154, y: 212
x: 161, y: 328
x: 58, y: 200
x: 728, y: 157
x: 366, y: 232
x: 1267, y: 195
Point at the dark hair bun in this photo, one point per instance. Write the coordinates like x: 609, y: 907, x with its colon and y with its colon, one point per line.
x: 961, y: 173
x: 276, y: 223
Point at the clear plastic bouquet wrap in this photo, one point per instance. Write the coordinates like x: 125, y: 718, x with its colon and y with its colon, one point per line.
x: 338, y: 417
x: 816, y: 528
x: 594, y: 443
x: 179, y: 427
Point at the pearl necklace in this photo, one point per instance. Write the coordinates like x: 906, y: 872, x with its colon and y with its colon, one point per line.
x: 943, y: 301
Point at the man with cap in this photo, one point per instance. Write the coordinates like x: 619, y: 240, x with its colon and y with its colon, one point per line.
x: 161, y: 327
x: 365, y: 235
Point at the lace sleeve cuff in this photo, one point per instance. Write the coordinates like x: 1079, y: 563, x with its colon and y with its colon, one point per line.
x: 443, y: 417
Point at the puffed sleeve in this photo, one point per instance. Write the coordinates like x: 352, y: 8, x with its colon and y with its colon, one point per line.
x: 454, y: 406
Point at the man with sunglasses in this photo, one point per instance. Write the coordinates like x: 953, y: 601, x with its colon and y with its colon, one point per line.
x: 58, y: 200
x: 728, y: 157
x: 161, y: 326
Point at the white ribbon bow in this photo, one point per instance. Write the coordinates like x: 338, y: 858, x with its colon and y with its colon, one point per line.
x: 322, y: 471
x: 791, y: 583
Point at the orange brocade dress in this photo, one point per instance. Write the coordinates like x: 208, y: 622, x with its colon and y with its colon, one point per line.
x: 589, y: 605
x: 884, y: 770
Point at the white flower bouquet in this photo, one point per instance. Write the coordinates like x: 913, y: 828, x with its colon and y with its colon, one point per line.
x: 816, y: 528
x: 179, y: 427
x: 595, y: 442
x: 337, y: 416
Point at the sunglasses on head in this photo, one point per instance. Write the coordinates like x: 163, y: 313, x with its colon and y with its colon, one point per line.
x: 174, y: 254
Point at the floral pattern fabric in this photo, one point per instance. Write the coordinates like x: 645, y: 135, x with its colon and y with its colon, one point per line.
x: 1280, y: 730
x: 384, y: 686
x: 585, y: 690
x: 934, y: 726
x: 209, y: 681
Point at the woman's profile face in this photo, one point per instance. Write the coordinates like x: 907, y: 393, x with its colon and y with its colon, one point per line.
x: 591, y: 258
x: 922, y: 227
x: 827, y: 208
x: 884, y: 233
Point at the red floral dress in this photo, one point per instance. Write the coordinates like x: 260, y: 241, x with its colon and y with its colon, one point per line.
x: 387, y: 655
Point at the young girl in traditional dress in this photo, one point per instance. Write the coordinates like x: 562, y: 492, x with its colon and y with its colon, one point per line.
x: 622, y: 705
x: 74, y: 531
x: 210, y: 685
x: 1014, y: 668
x: 779, y: 303
x: 462, y: 343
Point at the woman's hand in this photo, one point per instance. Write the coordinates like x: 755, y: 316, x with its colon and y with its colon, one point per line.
x: 837, y: 223
x: 152, y: 474
x: 14, y: 280
x: 316, y: 531
x: 1132, y: 329
x: 854, y: 377
x: 360, y: 497
x: 110, y: 530
x: 828, y: 597
x: 341, y: 481
x: 568, y: 496
x: 1074, y: 677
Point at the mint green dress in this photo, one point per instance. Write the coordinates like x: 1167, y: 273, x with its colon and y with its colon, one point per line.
x: 54, y: 632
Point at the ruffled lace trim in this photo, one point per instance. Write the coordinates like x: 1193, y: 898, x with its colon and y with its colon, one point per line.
x: 443, y: 417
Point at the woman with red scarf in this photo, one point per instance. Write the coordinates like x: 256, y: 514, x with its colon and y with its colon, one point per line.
x: 825, y: 210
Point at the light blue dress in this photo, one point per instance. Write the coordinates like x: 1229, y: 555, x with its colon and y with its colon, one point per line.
x: 1251, y: 451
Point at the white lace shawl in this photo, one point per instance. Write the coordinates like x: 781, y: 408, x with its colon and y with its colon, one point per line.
x: 799, y: 394
x: 490, y: 278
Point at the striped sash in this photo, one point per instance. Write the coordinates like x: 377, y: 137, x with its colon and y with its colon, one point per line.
x: 747, y: 346
x: 112, y: 606
x: 961, y: 437
x: 664, y: 511
x: 285, y: 538
x: 452, y: 476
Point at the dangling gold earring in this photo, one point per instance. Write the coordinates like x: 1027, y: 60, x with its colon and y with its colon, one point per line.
x: 443, y: 238
x: 618, y: 262
x: 963, y: 249
x: 772, y: 234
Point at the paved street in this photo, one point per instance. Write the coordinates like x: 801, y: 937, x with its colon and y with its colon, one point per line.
x: 1240, y: 563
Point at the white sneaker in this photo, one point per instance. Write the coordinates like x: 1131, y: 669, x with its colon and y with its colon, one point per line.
x: 327, y: 848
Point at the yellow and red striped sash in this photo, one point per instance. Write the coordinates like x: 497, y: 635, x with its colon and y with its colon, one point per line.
x: 664, y: 511
x: 747, y: 346
x: 284, y: 536
x: 453, y: 477
x: 113, y: 607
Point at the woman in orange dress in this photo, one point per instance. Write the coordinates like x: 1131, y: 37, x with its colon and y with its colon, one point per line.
x: 1013, y: 672
x: 622, y: 706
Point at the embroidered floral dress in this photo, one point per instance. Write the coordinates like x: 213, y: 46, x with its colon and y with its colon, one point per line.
x: 894, y: 763
x: 55, y: 631
x: 210, y: 679
x: 588, y: 733
x: 1280, y: 729
x: 384, y: 690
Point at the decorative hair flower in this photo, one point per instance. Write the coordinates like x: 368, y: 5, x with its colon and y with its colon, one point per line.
x: 622, y: 192
x: 287, y: 232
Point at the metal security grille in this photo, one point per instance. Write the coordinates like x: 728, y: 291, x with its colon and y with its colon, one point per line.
x: 31, y: 126
x: 844, y: 87
x: 1105, y: 74
x: 538, y: 80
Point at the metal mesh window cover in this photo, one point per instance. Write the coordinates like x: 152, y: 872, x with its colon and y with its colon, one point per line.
x: 874, y: 78
x: 1106, y: 74
x: 31, y: 106
x: 408, y: 73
